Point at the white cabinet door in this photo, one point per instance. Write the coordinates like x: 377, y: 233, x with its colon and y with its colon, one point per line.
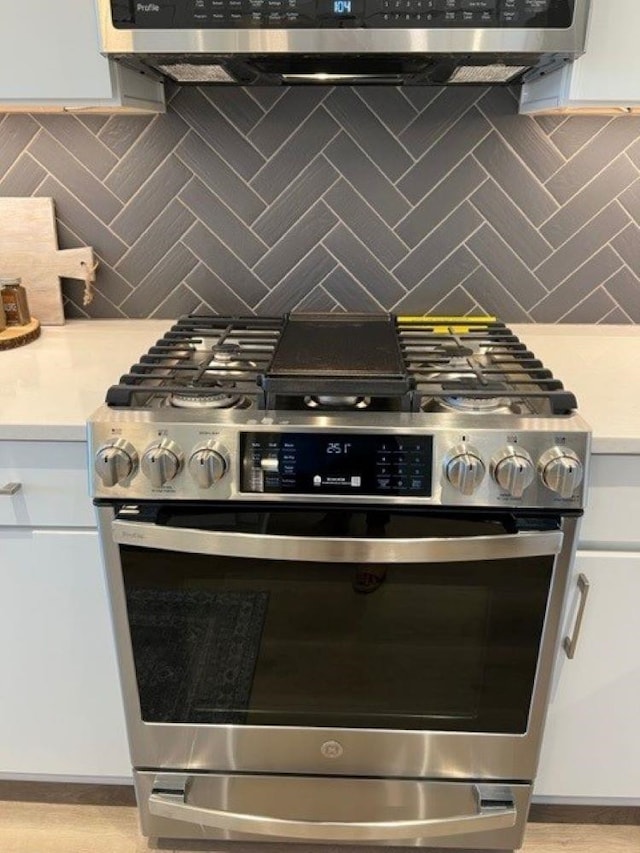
x: 49, y: 55
x: 606, y: 76
x: 60, y: 702
x: 591, y: 746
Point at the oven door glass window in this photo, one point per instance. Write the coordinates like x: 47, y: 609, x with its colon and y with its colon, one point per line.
x: 433, y: 645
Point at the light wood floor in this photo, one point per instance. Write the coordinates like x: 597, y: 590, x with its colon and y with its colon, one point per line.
x: 30, y: 827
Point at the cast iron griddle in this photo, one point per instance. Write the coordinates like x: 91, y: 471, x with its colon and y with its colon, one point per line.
x: 327, y: 346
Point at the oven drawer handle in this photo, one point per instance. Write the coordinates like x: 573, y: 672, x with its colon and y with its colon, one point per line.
x: 488, y: 816
x: 320, y: 550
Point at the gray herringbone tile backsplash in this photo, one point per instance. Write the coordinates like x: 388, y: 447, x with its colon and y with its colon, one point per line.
x: 413, y: 200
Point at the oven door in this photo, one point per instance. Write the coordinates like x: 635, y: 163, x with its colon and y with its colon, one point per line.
x: 320, y: 641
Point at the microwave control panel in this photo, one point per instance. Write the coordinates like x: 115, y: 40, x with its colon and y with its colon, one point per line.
x: 317, y: 14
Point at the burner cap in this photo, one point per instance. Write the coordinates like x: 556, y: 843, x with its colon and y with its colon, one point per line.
x: 224, y: 361
x: 337, y: 401
x: 196, y: 399
x: 476, y: 405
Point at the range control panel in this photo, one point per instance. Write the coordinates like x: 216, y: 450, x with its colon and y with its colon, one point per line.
x: 329, y: 463
x: 314, y: 14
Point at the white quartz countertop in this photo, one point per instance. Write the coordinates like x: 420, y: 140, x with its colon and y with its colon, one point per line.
x: 50, y: 387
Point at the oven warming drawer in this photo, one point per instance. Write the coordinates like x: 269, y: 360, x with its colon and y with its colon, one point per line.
x: 332, y: 811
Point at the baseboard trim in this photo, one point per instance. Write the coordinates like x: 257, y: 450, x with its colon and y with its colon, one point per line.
x: 612, y: 815
x: 69, y: 793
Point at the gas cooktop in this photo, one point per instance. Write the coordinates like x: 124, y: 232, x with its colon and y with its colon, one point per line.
x: 343, y: 408
x: 341, y: 363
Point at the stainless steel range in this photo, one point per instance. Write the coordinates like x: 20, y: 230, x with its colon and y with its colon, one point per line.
x: 337, y: 551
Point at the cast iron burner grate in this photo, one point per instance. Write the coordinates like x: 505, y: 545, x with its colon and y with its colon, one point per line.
x: 193, y: 358
x: 478, y: 361
x: 280, y: 363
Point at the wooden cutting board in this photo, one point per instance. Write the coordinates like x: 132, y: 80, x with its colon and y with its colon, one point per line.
x: 29, y: 250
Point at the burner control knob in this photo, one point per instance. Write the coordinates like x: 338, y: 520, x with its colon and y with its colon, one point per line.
x: 207, y: 465
x: 513, y: 470
x: 561, y: 470
x: 115, y: 461
x: 464, y: 468
x: 161, y: 462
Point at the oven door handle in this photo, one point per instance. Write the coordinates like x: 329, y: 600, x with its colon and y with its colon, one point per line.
x: 321, y: 550
x: 495, y: 809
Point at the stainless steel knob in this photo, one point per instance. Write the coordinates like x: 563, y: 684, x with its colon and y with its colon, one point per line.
x: 207, y: 465
x: 513, y: 470
x: 561, y: 470
x: 161, y: 462
x: 116, y: 461
x: 464, y: 468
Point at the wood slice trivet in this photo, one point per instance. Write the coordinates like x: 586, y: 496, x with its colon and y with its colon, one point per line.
x: 18, y: 336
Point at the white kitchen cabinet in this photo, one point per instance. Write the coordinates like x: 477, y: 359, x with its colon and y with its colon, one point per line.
x: 60, y: 704
x: 591, y: 747
x: 607, y: 77
x: 51, y: 477
x: 50, y: 60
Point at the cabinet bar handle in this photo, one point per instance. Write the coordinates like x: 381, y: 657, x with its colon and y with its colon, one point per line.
x: 10, y: 488
x: 569, y: 643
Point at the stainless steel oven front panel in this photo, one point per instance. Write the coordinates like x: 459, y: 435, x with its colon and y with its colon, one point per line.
x: 338, y: 751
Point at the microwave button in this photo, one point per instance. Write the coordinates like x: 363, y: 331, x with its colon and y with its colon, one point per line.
x: 483, y: 5
x: 510, y: 17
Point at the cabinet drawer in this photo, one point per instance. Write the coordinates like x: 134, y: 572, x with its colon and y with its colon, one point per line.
x: 53, y: 482
x: 613, y: 504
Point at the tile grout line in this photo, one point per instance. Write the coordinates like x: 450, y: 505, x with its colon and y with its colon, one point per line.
x: 586, y: 225
x: 288, y: 139
x: 224, y: 204
x: 498, y: 282
x: 586, y: 186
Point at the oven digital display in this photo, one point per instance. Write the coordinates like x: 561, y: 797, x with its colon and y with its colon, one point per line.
x: 329, y: 463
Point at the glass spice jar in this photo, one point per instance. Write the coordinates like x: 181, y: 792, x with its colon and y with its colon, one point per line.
x: 14, y: 302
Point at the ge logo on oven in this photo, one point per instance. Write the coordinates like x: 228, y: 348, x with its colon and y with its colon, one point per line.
x: 332, y: 749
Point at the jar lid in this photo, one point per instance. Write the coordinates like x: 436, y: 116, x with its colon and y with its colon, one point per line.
x: 10, y: 282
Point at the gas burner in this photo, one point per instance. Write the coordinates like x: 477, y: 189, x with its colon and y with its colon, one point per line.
x: 337, y: 401
x: 224, y: 361
x: 473, y: 405
x: 198, y: 399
